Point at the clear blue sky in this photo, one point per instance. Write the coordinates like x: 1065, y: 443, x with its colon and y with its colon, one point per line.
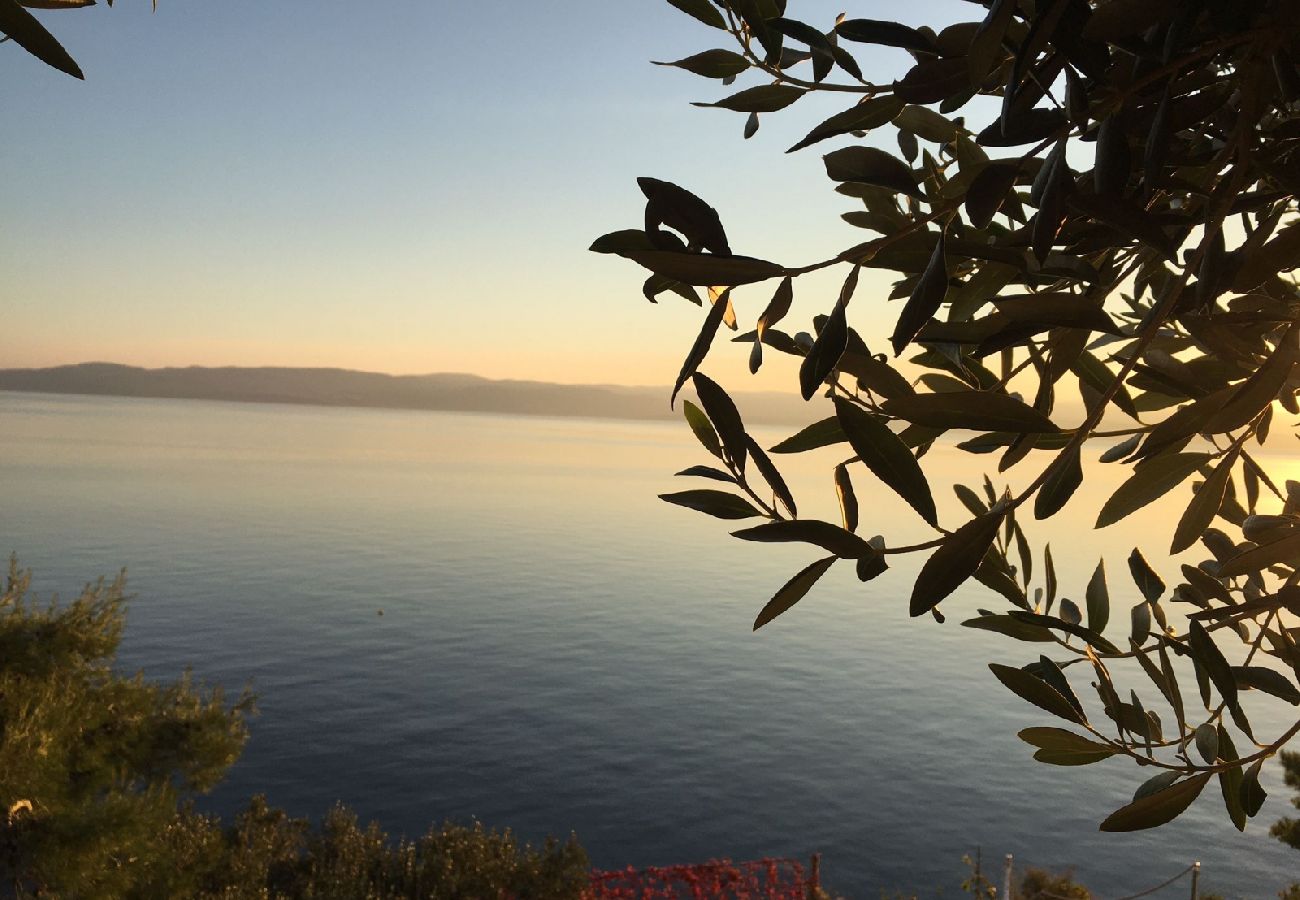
x: 406, y: 187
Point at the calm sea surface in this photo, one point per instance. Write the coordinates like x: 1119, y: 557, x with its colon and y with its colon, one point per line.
x: 561, y: 651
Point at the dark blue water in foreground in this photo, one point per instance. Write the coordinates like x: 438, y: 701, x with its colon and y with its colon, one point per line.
x: 560, y: 651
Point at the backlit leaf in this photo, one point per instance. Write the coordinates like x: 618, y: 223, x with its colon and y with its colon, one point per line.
x: 976, y: 410
x: 865, y: 116
x: 1204, y: 506
x: 25, y: 31
x: 1148, y: 483
x: 887, y: 458
x: 848, y: 499
x: 702, y: 428
x: 1267, y: 680
x: 1011, y: 627
x: 1067, y: 475
x: 831, y: 538
x: 871, y: 165
x: 763, y: 98
x: 773, y: 476
x: 890, y: 34
x: 926, y: 298
x: 1147, y: 581
x: 703, y: 10
x: 988, y: 189
x: 1210, y: 656
x: 704, y: 269
x: 725, y: 417
x: 1207, y: 742
x: 819, y: 434
x: 793, y: 591
x: 1098, y: 598
x: 712, y: 64
x: 825, y: 353
x: 1285, y: 551
x: 1157, y: 808
x: 1060, y: 739
x: 715, y: 503
x: 956, y: 560
x: 1036, y: 691
x: 703, y: 341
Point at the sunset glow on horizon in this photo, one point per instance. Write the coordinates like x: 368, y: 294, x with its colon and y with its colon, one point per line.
x: 293, y: 185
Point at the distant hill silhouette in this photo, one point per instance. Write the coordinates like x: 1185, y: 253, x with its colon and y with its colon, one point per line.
x: 344, y: 387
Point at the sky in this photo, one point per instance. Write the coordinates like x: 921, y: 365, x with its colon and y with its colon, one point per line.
x: 409, y: 187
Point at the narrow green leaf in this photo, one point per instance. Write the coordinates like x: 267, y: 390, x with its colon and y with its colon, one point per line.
x: 1148, y: 483
x: 777, y: 307
x: 865, y: 116
x: 988, y: 190
x: 725, y: 417
x: 1060, y: 739
x: 890, y: 34
x: 1011, y: 627
x: 1098, y: 598
x: 700, y: 349
x: 926, y: 123
x: 1051, y: 673
x: 1204, y: 506
x: 1230, y: 780
x: 1141, y: 617
x: 870, y: 165
x: 1252, y: 794
x: 703, y: 10
x: 1157, y: 808
x: 974, y: 410
x: 956, y: 560
x: 1067, y: 475
x: 763, y: 98
x: 1260, y: 389
x: 1285, y: 551
x: 1072, y: 757
x: 831, y: 538
x: 1267, y: 680
x: 793, y: 591
x: 712, y: 64
x: 25, y: 31
x: 772, y: 476
x: 715, y: 503
x: 848, y: 499
x: 819, y: 434
x: 825, y: 353
x: 926, y: 297
x: 672, y: 205
x: 1147, y: 581
x: 1208, y: 654
x: 703, y: 269
x: 887, y: 458
x: 702, y: 428
x: 707, y: 472
x: 1036, y: 691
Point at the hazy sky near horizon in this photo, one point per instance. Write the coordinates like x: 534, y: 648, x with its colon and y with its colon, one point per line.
x: 403, y: 188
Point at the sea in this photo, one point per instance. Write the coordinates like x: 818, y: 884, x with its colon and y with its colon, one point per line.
x: 470, y: 616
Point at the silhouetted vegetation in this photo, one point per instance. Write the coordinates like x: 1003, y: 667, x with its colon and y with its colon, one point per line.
x: 1088, y: 217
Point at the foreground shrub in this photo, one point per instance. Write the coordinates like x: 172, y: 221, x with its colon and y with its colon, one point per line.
x: 98, y: 773
x: 92, y: 764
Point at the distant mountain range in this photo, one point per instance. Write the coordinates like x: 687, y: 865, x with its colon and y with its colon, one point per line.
x: 344, y: 387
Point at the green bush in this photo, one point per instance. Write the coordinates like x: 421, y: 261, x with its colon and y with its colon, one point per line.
x: 98, y: 772
x: 1040, y: 884
x: 93, y: 765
